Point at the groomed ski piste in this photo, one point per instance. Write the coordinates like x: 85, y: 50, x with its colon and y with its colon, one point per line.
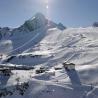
x: 34, y: 62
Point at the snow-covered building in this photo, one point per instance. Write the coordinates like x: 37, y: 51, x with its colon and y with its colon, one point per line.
x: 69, y: 66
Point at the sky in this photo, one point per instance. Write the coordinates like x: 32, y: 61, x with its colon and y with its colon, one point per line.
x: 72, y: 13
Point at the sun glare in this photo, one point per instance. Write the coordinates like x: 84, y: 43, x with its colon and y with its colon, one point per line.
x: 47, y: 6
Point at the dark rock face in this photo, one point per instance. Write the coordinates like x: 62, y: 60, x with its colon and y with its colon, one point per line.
x: 61, y: 26
x: 35, y: 22
x: 95, y: 24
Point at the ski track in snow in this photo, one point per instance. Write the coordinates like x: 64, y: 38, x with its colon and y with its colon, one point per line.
x: 24, y: 43
x: 76, y: 45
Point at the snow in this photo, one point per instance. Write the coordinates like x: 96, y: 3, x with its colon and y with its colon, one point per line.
x: 49, y: 46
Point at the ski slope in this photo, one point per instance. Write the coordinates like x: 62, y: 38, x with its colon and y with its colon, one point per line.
x: 77, y: 45
x: 47, y: 48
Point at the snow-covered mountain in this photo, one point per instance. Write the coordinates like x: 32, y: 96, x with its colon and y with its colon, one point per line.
x: 28, y: 34
x: 34, y: 53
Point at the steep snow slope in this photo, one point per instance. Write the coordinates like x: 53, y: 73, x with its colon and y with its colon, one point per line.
x: 27, y: 35
x: 45, y: 46
x: 77, y: 45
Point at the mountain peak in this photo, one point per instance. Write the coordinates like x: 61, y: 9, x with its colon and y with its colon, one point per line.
x: 38, y: 21
x: 39, y: 15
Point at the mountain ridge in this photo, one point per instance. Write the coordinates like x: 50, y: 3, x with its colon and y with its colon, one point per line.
x: 31, y: 62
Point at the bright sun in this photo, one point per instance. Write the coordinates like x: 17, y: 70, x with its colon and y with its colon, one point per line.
x: 47, y: 6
